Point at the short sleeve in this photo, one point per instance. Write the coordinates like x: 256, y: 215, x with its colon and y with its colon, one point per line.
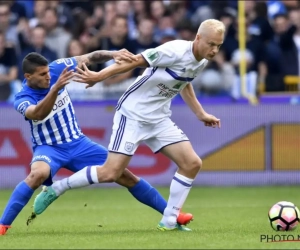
x: 21, y: 103
x: 59, y: 65
x: 56, y: 67
x: 161, y: 56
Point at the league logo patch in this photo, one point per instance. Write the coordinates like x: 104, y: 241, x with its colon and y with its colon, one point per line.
x: 152, y: 55
x: 23, y: 106
x: 128, y: 146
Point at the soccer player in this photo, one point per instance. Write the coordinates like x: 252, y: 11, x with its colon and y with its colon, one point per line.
x: 57, y: 139
x: 143, y: 111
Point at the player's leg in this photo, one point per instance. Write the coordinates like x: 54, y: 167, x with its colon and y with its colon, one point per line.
x: 189, y: 164
x: 22, y: 193
x: 45, y: 160
x: 110, y: 171
x: 173, y: 143
x: 96, y: 154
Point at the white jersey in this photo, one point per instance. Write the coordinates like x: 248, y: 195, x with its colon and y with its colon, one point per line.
x: 172, y: 66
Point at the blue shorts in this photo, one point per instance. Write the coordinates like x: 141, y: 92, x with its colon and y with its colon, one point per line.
x: 73, y: 156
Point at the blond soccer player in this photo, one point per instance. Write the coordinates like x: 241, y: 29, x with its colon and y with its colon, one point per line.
x: 143, y: 115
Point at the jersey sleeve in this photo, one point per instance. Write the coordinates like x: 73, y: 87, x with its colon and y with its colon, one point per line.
x: 21, y: 104
x: 59, y: 65
x: 161, y: 56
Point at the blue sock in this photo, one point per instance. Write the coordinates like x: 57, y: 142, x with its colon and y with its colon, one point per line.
x: 18, y: 199
x: 148, y: 195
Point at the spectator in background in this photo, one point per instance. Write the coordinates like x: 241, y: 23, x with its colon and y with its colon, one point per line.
x: 117, y: 40
x: 256, y: 67
x: 37, y: 44
x: 186, y: 30
x: 144, y: 40
x: 217, y: 78
x: 39, y: 11
x: 10, y: 31
x: 8, y: 69
x: 140, y: 10
x: 57, y: 39
x: 123, y: 8
x: 165, y: 30
x: 65, y: 18
x: 77, y: 91
x: 290, y: 45
x: 18, y: 12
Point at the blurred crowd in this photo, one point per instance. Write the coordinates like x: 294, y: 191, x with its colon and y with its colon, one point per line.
x: 59, y: 29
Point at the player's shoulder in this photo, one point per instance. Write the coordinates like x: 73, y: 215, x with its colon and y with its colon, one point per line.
x: 179, y: 47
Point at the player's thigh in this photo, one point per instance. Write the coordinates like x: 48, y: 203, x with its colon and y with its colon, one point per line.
x: 126, y: 135
x: 54, y: 156
x: 164, y: 134
x: 172, y: 142
x: 86, y: 153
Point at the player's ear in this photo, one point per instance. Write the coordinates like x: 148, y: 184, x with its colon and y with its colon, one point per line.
x: 27, y: 76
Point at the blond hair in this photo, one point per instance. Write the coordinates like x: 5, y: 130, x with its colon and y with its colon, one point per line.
x: 211, y: 25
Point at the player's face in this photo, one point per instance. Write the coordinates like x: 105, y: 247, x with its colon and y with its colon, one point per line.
x: 40, y: 78
x: 209, y: 44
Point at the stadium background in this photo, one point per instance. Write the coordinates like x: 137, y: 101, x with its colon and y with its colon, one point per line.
x: 259, y: 140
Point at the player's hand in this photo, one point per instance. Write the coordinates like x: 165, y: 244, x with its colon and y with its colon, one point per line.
x: 123, y: 55
x: 86, y: 76
x: 63, y: 79
x: 210, y: 120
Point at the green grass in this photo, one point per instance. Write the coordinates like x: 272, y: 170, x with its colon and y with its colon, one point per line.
x: 225, y: 218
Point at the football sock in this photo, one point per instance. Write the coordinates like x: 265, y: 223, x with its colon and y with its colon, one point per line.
x: 18, y: 199
x: 82, y: 178
x: 148, y: 195
x: 179, y: 190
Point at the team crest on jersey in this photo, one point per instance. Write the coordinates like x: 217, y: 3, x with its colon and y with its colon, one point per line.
x: 128, y: 146
x: 152, y: 55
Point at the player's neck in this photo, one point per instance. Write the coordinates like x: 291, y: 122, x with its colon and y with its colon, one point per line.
x: 195, y: 52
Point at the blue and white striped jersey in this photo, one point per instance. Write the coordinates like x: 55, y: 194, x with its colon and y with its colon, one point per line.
x: 60, y: 126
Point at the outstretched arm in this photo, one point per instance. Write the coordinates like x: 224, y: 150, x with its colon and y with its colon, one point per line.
x: 102, y: 56
x: 188, y: 95
x: 91, y: 77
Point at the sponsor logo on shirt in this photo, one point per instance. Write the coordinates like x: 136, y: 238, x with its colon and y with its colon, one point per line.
x: 165, y: 91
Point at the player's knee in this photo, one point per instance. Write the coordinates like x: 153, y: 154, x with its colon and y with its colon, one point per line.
x: 193, y: 165
x: 36, y: 178
x: 109, y: 175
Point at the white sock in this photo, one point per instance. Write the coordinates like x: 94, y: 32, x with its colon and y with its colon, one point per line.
x: 82, y: 178
x: 179, y: 190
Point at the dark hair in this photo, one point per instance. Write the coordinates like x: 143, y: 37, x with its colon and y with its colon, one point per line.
x: 32, y: 61
x: 280, y: 15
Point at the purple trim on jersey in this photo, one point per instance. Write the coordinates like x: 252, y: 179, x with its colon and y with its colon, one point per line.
x: 120, y: 133
x: 134, y: 87
x: 88, y: 175
x: 177, y: 77
x: 182, y: 182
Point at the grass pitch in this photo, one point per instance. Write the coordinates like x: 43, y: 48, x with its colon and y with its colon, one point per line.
x: 225, y: 218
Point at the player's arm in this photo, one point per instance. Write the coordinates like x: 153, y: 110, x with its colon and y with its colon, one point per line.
x: 102, y: 56
x: 188, y: 95
x: 42, y: 109
x: 91, y: 77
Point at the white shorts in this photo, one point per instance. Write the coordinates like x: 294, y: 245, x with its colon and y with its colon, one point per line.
x: 127, y: 134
